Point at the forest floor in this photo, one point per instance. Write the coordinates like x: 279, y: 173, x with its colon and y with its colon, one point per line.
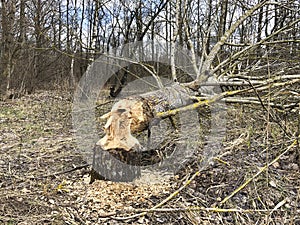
x: 254, y: 178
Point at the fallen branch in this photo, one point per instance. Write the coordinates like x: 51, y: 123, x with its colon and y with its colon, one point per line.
x: 256, y: 102
x: 63, y: 172
x: 201, y: 102
x: 198, y: 209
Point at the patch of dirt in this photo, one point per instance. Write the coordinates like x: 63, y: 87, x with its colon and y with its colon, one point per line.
x: 45, y: 180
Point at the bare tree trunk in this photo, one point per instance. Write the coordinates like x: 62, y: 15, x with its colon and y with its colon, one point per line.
x: 173, y: 40
x: 9, y: 46
x: 139, y: 20
x: 73, y: 45
x: 188, y: 38
x: 68, y: 25
x: 4, y: 42
x: 222, y: 24
x: 223, y: 19
x: 82, y: 67
x: 209, y: 23
x: 95, y: 29
x: 72, y: 75
x: 259, y: 29
x: 22, y: 21
x: 38, y: 33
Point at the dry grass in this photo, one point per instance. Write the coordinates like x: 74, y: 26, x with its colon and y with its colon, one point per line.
x: 37, y: 145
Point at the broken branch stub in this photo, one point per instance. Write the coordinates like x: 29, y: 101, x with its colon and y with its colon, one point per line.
x: 134, y: 114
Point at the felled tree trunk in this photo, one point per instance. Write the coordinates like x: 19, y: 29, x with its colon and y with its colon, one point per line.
x: 135, y: 114
x: 117, y: 154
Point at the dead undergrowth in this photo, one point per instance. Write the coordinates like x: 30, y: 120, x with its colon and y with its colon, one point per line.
x: 254, y: 179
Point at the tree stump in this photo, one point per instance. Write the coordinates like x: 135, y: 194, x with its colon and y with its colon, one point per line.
x: 115, y: 165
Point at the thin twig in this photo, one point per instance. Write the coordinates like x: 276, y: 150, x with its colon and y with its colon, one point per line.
x: 262, y: 169
x: 63, y: 172
x: 198, y: 208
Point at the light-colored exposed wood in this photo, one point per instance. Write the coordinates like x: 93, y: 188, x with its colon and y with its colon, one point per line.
x: 135, y: 114
x: 127, y: 116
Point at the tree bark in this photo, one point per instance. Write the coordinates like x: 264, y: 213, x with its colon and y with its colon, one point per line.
x: 9, y: 47
x: 115, y: 165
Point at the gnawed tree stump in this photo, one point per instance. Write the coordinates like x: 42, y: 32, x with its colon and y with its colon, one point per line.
x: 117, y: 156
x: 115, y: 164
